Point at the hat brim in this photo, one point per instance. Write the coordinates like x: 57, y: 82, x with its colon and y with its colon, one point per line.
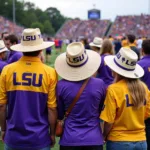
x: 137, y: 73
x: 4, y: 50
x: 22, y: 48
x: 92, y: 44
x: 77, y: 73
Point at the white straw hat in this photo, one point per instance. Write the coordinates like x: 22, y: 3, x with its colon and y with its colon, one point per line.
x: 31, y: 40
x: 125, y: 63
x: 2, y: 47
x: 77, y: 63
x: 97, y: 42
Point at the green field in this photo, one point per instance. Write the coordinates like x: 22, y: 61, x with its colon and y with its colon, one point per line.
x: 53, y: 57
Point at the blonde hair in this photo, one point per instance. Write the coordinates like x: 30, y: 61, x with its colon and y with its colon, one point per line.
x: 136, y: 89
x: 107, y: 47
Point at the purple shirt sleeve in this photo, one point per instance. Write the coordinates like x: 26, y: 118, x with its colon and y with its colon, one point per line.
x: 15, y: 57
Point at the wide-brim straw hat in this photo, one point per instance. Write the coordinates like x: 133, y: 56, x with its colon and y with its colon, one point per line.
x: 125, y: 63
x: 77, y: 63
x: 3, y: 47
x: 97, y: 42
x: 31, y: 40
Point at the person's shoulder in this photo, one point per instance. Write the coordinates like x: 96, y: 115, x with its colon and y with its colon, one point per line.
x: 62, y: 82
x: 97, y: 81
x: 118, y: 85
x: 18, y: 54
x: 142, y: 61
x: 3, y: 63
x: 48, y: 68
x: 9, y: 67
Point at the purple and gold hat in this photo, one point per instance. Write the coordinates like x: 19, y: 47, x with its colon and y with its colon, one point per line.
x: 125, y: 63
x: 31, y: 40
x: 77, y: 63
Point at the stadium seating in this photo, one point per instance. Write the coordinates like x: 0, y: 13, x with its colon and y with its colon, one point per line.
x: 123, y: 25
x: 68, y: 29
x: 143, y: 26
x: 74, y: 29
x: 8, y: 26
x: 137, y: 25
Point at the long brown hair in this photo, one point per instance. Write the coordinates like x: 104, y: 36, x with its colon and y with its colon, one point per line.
x: 137, y: 90
x: 107, y: 47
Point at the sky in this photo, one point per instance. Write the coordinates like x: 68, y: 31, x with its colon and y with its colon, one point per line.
x: 109, y: 8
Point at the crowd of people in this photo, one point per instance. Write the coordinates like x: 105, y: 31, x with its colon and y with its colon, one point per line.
x: 142, y: 26
x: 74, y: 29
x: 102, y: 98
x: 8, y: 26
x: 137, y: 25
x: 68, y: 29
x: 103, y: 95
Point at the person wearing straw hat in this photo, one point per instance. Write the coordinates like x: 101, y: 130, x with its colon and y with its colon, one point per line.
x: 104, y: 72
x: 81, y: 127
x: 96, y: 44
x: 127, y: 104
x: 3, y: 55
x: 28, y: 89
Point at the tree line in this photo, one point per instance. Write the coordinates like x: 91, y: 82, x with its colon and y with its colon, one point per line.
x: 28, y: 15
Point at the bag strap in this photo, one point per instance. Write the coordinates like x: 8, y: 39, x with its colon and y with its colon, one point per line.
x: 77, y: 97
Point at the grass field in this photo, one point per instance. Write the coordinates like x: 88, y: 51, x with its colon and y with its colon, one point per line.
x: 53, y: 57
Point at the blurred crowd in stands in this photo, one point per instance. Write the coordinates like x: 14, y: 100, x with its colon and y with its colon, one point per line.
x: 86, y: 30
x: 138, y: 25
x: 8, y: 26
x: 75, y: 29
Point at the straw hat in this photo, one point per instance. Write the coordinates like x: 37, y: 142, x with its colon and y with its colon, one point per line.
x: 77, y: 63
x: 125, y: 63
x: 97, y: 42
x: 2, y: 47
x: 31, y: 40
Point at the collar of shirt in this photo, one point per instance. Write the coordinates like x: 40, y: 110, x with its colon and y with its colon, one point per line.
x: 32, y: 59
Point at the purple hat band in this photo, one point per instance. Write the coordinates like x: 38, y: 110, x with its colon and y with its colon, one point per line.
x: 127, y: 69
x: 75, y: 66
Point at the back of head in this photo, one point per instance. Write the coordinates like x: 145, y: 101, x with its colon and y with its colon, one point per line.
x: 146, y: 47
x: 84, y: 41
x: 32, y: 54
x: 125, y: 67
x: 12, y: 38
x: 107, y: 47
x: 131, y: 38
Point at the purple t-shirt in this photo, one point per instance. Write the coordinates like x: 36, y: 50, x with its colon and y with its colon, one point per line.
x: 145, y: 64
x: 104, y: 72
x: 14, y: 56
x: 2, y: 65
x: 82, y: 127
